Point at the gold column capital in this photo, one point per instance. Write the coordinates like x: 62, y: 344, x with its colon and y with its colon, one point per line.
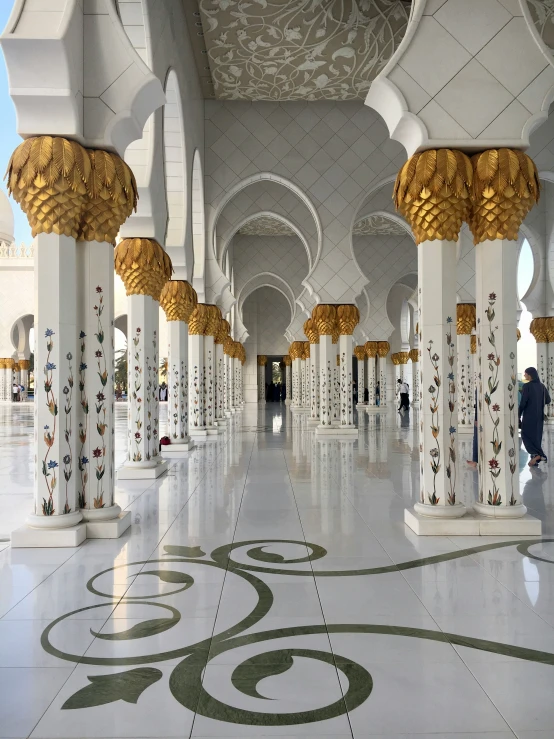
x: 359, y: 353
x: 223, y: 331
x: 433, y: 192
x: 199, y: 320
x: 228, y: 345
x: 66, y: 189
x: 287, y: 361
x: 24, y: 364
x: 214, y: 317
x: 473, y: 344
x: 310, y: 329
x: 465, y: 318
x: 403, y: 357
x: 518, y: 334
x: 506, y: 186
x: 296, y: 350
x: 538, y: 327
x: 178, y: 299
x: 324, y: 316
x: 348, y: 317
x: 306, y: 352
x: 371, y: 349
x: 143, y: 266
x: 414, y: 355
x: 383, y: 348
x: 262, y: 360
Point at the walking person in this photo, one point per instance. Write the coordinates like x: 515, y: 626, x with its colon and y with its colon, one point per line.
x: 534, y: 397
x: 403, y: 390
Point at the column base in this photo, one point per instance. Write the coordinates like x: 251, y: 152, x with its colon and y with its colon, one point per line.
x: 177, y: 449
x: 287, y: 401
x: 111, y: 529
x: 215, y: 430
x: 337, y: 432
x: 100, y: 514
x: 261, y: 402
x: 228, y: 414
x: 27, y: 536
x: 361, y: 406
x: 465, y: 430
x: 142, y: 473
x: 198, y: 433
x: 222, y: 422
x: 500, y: 511
x: 313, y: 422
x: 471, y: 524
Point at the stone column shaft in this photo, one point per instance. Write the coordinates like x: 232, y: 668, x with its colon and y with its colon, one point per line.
x: 197, y: 423
x: 288, y: 384
x: 314, y: 383
x: 220, y: 384
x: 327, y: 361
x: 466, y: 389
x: 178, y: 401
x: 346, y: 349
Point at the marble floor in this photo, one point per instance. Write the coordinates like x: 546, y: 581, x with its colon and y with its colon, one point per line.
x: 268, y: 587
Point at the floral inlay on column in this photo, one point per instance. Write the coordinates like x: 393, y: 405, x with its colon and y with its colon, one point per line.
x: 83, y: 425
x: 99, y: 453
x: 68, y: 431
x: 137, y: 395
x: 49, y: 466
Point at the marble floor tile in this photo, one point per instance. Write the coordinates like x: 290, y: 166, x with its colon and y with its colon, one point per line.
x: 269, y: 587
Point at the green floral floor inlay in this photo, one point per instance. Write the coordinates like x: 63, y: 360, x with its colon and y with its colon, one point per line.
x: 186, y: 679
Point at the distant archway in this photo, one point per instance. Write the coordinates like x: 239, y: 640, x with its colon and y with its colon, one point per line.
x: 198, y: 225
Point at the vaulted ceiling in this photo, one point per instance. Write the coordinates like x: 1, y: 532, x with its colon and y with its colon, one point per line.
x: 294, y: 49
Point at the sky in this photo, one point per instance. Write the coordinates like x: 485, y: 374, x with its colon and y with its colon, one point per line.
x: 526, y: 351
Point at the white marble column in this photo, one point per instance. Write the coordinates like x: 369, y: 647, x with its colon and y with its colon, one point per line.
x: 324, y: 319
x: 305, y: 374
x: 56, y: 518
x: 359, y: 352
x: 414, y: 359
x: 465, y: 324
x: 383, y: 348
x: 296, y: 350
x: 496, y: 282
x: 314, y: 383
x: 228, y: 376
x: 438, y: 418
x: 93, y: 393
x: 24, y: 364
x: 336, y: 386
x: 371, y: 353
x: 262, y: 361
x: 236, y: 381
x: 221, y: 384
x: 178, y: 299
x: 549, y: 378
x: 197, y: 414
x: 288, y: 379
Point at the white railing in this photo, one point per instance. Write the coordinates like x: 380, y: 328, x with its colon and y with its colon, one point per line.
x: 16, y: 251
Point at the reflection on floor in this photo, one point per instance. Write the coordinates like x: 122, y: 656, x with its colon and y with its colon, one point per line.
x: 268, y: 587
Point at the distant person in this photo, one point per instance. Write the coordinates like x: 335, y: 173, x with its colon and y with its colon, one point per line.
x: 534, y: 398
x: 355, y: 392
x: 15, y: 392
x: 403, y: 391
x: 118, y: 392
x: 366, y: 395
x: 377, y: 394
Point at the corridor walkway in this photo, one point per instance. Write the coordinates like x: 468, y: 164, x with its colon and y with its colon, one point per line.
x: 268, y: 587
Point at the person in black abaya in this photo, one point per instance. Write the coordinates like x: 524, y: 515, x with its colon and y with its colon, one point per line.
x: 534, y: 397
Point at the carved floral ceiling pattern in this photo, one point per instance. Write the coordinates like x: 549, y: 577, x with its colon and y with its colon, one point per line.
x: 378, y: 225
x: 300, y: 49
x: 266, y: 226
x: 542, y: 13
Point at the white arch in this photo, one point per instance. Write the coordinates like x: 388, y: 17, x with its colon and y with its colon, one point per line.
x: 389, y: 216
x: 198, y: 224
x: 277, y: 217
x: 174, y: 165
x: 267, y: 176
x: 280, y: 285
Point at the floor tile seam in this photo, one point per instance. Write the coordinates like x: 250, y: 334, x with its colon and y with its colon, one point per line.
x: 224, y: 578
x: 347, y: 713
x: 40, y: 583
x: 366, y: 524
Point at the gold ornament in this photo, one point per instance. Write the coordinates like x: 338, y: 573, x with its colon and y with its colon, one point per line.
x: 383, y: 348
x: 394, y: 359
x: 214, y: 317
x: 371, y: 349
x: 143, y: 266
x: 222, y: 332
x: 433, y: 193
x: 505, y: 187
x: 296, y: 349
x: 414, y: 355
x: 465, y: 318
x: 24, y: 364
x: 178, y: 299
x: 68, y: 190
x: 538, y: 328
x: 325, y: 318
x: 48, y: 178
x: 310, y: 329
x: 336, y: 333
x: 348, y: 317
x: 228, y: 345
x: 306, y: 352
x: 287, y: 361
x: 10, y: 363
x: 403, y: 357
x: 112, y: 197
x: 262, y: 360
x: 359, y: 353
x: 199, y: 320
x: 473, y: 344
x: 338, y: 360
x: 518, y: 334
